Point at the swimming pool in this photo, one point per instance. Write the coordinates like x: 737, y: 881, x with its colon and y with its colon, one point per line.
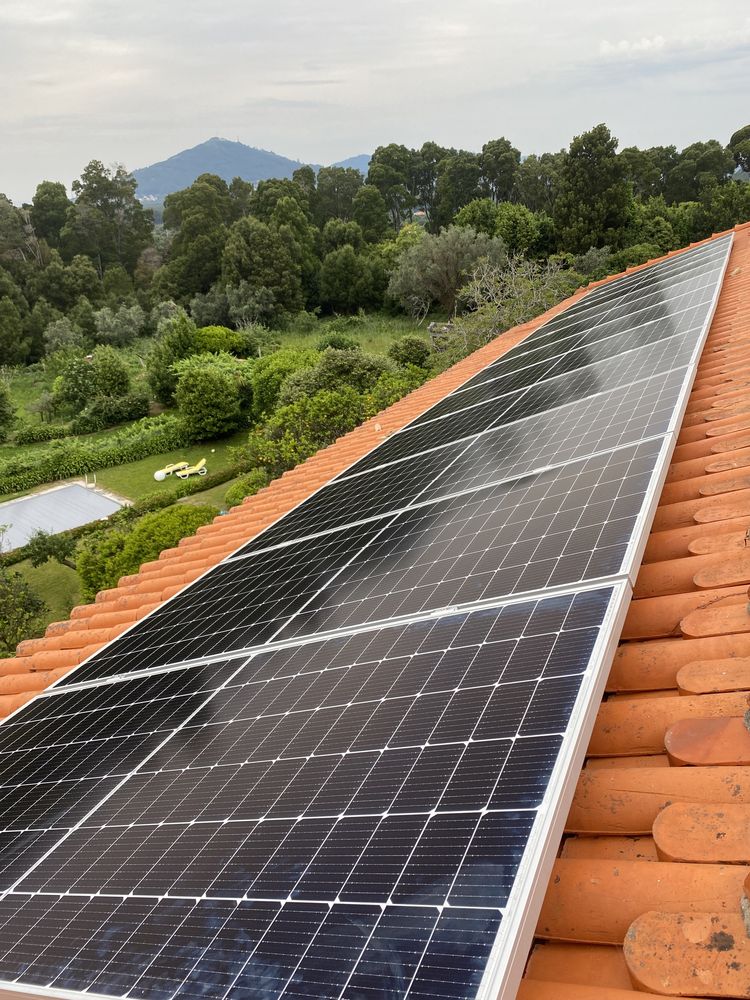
x: 54, y: 510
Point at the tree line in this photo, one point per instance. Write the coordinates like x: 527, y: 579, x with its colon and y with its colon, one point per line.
x: 91, y: 267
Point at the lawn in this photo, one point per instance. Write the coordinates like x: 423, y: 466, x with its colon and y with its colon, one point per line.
x: 58, y: 587
x: 135, y: 479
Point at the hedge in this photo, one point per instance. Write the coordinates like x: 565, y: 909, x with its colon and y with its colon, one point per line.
x: 35, y: 433
x: 74, y: 457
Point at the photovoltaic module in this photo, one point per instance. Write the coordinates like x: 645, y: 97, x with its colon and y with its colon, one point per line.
x: 337, y: 765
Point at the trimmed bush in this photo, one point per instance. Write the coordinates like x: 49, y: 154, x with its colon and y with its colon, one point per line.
x: 36, y: 433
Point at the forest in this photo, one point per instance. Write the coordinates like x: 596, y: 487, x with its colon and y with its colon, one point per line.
x: 267, y: 320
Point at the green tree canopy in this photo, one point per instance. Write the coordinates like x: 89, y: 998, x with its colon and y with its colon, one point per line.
x: 106, y: 221
x: 256, y: 253
x: 49, y: 209
x: 739, y: 146
x: 594, y: 201
x: 499, y: 162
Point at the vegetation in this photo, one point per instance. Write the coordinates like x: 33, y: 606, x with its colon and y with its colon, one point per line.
x: 268, y: 320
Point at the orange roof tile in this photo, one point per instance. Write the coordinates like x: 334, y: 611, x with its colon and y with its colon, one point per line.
x: 609, y: 925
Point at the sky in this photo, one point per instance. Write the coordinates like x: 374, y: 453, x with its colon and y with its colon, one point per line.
x: 134, y: 82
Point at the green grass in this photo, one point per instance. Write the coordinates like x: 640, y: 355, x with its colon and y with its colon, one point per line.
x: 375, y: 333
x: 135, y: 479
x: 58, y: 586
x: 214, y: 496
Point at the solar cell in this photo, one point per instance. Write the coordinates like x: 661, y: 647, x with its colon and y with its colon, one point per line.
x: 549, y: 394
x: 598, y: 423
x: 333, y: 859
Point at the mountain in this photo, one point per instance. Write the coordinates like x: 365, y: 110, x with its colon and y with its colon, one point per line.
x: 360, y: 163
x: 223, y: 157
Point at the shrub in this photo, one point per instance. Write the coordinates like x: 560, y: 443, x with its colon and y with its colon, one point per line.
x: 213, y: 339
x: 297, y: 431
x: 209, y: 394
x: 107, y: 411
x: 358, y: 370
x: 36, y: 433
x: 246, y: 486
x: 268, y: 374
x: 107, y: 555
x: 410, y: 350
x: 20, y: 610
x: 338, y: 341
x: 391, y: 386
x: 109, y: 372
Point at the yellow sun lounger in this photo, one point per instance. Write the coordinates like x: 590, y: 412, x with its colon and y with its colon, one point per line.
x: 199, y: 469
x: 161, y: 474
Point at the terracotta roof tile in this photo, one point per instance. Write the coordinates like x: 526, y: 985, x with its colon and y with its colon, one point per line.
x: 680, y: 682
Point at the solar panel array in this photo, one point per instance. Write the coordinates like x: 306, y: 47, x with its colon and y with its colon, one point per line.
x: 330, y: 767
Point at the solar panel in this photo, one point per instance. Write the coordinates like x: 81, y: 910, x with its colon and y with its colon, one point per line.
x: 336, y: 765
x: 394, y: 800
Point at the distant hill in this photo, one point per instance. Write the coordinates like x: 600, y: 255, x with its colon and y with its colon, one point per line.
x: 223, y: 157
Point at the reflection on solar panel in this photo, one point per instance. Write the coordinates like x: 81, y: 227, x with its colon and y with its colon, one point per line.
x: 336, y: 765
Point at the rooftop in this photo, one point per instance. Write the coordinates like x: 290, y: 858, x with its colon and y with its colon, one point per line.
x: 648, y: 891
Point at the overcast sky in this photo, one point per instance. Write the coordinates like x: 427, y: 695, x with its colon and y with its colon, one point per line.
x: 134, y: 81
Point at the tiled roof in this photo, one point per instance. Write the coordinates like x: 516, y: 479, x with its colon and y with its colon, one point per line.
x: 647, y: 893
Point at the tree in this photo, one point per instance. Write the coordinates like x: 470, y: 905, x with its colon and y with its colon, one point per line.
x: 268, y: 374
x: 370, y: 213
x: 336, y: 369
x: 106, y: 221
x: 199, y: 217
x: 480, y: 214
x: 700, y: 165
x: 43, y: 546
x: 435, y: 269
x: 393, y: 171
x: 61, y: 335
x: 538, y: 180
x: 7, y: 411
x: 739, y: 146
x: 20, y: 609
x: 175, y: 340
x: 103, y: 559
x: 594, y: 201
x: 427, y: 168
x: 208, y: 394
x: 458, y: 183
x: 305, y: 178
x: 300, y: 239
x: 346, y: 280
x: 14, y: 347
x: 121, y: 326
x: 74, y: 387
x: 297, y: 431
x: 336, y: 190
x: 648, y: 169
x: 518, y: 228
x: 498, y: 298
x: 268, y: 193
x: 49, y: 209
x: 109, y: 372
x: 337, y: 233
x: 499, y: 162
x: 256, y: 253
